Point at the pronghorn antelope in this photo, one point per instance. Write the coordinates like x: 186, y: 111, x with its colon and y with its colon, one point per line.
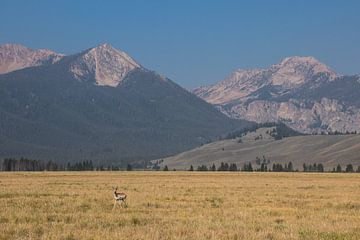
x: 119, y: 197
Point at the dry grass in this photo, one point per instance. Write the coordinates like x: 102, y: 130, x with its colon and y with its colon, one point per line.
x: 180, y: 205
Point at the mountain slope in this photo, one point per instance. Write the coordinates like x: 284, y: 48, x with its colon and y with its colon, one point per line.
x: 299, y: 91
x: 329, y: 150
x: 53, y: 112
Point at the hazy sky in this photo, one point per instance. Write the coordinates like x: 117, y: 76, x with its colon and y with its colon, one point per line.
x: 192, y: 42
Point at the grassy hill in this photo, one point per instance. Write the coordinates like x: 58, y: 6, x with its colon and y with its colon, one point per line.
x: 329, y: 150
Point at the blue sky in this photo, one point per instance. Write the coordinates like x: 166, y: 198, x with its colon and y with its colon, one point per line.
x: 192, y: 42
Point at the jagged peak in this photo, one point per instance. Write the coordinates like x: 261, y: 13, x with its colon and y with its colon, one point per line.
x: 290, y: 70
x: 106, y: 48
x: 290, y: 73
x: 296, y: 70
x: 16, y: 56
x: 19, y: 47
x: 300, y: 59
x: 305, y: 61
x: 105, y: 45
x: 106, y: 64
x: 251, y: 71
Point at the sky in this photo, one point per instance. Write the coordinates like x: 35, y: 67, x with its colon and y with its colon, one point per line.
x: 196, y: 42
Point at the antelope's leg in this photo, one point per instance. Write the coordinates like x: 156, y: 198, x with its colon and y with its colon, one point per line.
x: 114, y: 204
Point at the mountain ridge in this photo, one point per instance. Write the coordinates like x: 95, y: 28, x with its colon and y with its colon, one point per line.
x: 289, y: 73
x: 15, y: 56
x: 294, y: 91
x: 48, y: 113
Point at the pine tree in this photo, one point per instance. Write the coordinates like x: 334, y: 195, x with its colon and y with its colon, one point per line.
x: 320, y: 167
x: 290, y: 167
x: 305, y: 168
x: 349, y: 168
x: 233, y: 167
x: 213, y: 168
x: 250, y: 168
x: 338, y: 168
x: 128, y: 167
x: 314, y: 168
x: 277, y: 167
x: 202, y: 168
x: 223, y: 167
x: 247, y: 167
x: 262, y: 168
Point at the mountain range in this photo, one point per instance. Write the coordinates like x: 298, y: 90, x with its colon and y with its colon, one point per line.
x: 100, y: 105
x: 301, y: 92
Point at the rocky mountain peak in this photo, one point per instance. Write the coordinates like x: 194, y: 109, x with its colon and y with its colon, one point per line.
x: 15, y: 56
x: 291, y: 73
x: 106, y: 64
x: 301, y: 92
x: 237, y: 85
x: 296, y: 70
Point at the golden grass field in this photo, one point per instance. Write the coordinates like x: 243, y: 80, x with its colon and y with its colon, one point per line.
x: 180, y: 205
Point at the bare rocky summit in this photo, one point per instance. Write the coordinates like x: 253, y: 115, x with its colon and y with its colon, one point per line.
x: 302, y: 92
x: 14, y: 57
x: 108, y: 65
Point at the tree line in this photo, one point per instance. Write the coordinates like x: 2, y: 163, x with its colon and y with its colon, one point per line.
x: 25, y: 164
x: 261, y: 165
x: 276, y: 167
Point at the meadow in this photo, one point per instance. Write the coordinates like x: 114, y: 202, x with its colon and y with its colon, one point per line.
x: 180, y: 205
